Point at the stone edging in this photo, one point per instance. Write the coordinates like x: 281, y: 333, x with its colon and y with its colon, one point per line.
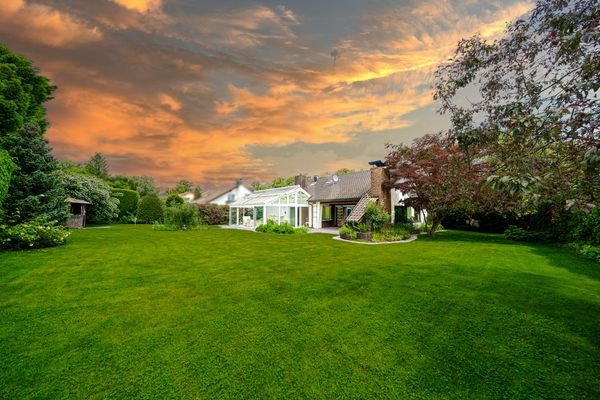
x: 412, y: 238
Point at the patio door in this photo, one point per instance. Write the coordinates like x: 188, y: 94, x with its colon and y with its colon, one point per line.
x: 293, y: 216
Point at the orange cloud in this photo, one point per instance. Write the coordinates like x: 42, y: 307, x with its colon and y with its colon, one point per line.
x: 43, y: 24
x: 140, y: 5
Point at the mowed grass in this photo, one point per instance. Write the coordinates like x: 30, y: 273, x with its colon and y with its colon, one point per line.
x: 127, y: 312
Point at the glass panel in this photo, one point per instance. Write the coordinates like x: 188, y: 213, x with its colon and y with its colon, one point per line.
x: 302, y: 198
x: 292, y: 215
x: 326, y: 213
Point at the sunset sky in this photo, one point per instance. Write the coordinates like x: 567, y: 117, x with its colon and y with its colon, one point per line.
x: 216, y: 90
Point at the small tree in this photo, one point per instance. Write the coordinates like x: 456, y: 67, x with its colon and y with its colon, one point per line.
x: 183, y: 186
x: 182, y: 216
x: 35, y: 190
x: 98, y: 166
x: 150, y: 209
x: 197, y: 192
x: 375, y: 217
x: 437, y: 176
x: 174, y: 200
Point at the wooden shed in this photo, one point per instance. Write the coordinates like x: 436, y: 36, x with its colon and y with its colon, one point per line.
x: 78, y: 209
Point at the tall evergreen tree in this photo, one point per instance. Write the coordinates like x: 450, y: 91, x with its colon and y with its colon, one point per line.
x: 98, y: 166
x: 34, y: 190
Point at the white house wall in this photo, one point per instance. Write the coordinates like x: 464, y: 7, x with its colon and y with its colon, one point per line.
x: 239, y: 192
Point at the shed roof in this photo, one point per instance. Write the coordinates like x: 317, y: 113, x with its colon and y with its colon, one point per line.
x: 267, y: 196
x: 76, y: 201
x: 348, y: 187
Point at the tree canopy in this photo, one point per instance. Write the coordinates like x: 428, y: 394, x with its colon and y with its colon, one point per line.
x: 537, y: 101
x: 98, y: 166
x: 105, y: 206
x: 437, y: 175
x: 34, y: 190
x: 22, y: 93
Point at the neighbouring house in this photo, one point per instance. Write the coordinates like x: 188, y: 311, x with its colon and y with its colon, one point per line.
x: 224, y: 197
x: 187, y: 196
x: 78, y: 212
x: 321, y: 202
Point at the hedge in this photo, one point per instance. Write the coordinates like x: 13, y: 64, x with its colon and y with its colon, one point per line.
x: 150, y: 209
x: 128, y: 201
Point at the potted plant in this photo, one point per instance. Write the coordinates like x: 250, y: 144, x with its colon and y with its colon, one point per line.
x: 363, y: 232
x: 346, y: 233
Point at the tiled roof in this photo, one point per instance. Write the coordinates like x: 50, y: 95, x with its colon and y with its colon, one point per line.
x: 348, y: 187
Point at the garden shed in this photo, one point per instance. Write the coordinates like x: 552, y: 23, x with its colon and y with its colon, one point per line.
x: 286, y: 204
x: 78, y: 212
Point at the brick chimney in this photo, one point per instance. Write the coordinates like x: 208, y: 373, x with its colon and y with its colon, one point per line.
x: 300, y: 180
x: 379, y: 175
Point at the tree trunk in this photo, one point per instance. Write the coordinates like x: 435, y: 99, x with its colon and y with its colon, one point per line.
x: 435, y: 222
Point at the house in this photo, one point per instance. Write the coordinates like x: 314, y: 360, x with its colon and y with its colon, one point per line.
x: 187, y: 196
x: 225, y: 197
x: 340, y: 198
x: 321, y: 202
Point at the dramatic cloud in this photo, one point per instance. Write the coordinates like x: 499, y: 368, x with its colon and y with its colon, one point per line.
x: 140, y: 5
x: 43, y: 24
x: 212, y: 92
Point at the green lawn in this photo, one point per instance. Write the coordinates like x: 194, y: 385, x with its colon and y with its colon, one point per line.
x: 127, y: 312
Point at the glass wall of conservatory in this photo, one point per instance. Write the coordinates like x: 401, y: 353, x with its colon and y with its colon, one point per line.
x: 287, y: 204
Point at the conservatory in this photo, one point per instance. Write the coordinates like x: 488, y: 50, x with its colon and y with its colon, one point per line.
x: 286, y: 204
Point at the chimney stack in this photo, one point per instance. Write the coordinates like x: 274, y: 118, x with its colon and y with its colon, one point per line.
x: 300, y: 180
x: 379, y: 175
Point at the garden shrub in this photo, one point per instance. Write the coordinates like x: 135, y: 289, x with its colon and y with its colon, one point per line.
x: 173, y: 200
x: 182, y: 217
x: 282, y: 229
x: 375, y: 217
x: 214, y: 214
x: 391, y: 234
x: 150, y: 209
x: 31, y: 235
x: 586, y: 227
x: 346, y: 230
x: 590, y: 251
x: 104, y: 206
x: 128, y: 202
x: 7, y: 166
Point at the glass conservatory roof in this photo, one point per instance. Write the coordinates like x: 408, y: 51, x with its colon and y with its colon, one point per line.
x: 266, y: 197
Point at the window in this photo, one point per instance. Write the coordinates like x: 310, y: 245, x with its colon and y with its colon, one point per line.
x: 348, y: 210
x: 326, y: 213
x: 231, y: 197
